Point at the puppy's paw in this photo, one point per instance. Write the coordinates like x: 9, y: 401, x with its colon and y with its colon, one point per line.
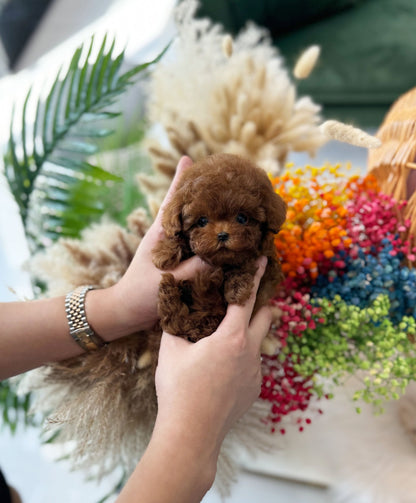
x: 173, y: 305
x: 168, y: 288
x: 167, y: 254
x: 237, y: 289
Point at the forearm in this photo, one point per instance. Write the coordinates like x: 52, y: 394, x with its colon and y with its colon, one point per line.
x: 33, y: 333
x: 178, y: 466
x: 36, y: 332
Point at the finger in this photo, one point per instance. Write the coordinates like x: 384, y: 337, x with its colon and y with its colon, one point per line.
x: 156, y: 232
x: 239, y: 316
x: 183, y: 164
x: 170, y: 343
x: 260, y: 325
x: 188, y: 268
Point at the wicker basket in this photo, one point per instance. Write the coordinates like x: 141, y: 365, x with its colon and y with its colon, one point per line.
x: 393, y: 164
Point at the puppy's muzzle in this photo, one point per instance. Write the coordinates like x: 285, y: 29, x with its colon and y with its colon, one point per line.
x: 223, y: 237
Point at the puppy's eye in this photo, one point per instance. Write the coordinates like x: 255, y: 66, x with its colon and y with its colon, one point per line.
x: 202, y: 222
x: 241, y: 218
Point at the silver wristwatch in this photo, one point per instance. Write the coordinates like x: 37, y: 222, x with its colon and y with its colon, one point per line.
x: 79, y: 329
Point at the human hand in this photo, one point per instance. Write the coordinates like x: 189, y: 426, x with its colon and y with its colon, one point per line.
x: 136, y: 293
x: 204, y: 387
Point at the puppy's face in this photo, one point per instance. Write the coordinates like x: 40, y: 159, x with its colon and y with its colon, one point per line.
x: 225, y: 209
x: 228, y: 231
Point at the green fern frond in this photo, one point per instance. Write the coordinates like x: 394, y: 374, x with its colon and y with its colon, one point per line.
x: 56, y: 189
x: 47, y: 158
x: 15, y: 408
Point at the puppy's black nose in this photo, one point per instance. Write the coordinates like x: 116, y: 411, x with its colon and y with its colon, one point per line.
x: 222, y: 236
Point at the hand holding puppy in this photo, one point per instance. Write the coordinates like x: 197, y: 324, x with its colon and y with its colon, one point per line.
x: 136, y: 294
x: 202, y: 389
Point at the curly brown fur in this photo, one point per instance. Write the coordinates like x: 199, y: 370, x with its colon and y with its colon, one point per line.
x: 226, y: 212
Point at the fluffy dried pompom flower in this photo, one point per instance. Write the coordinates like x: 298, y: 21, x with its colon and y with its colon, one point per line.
x: 249, y: 104
x: 349, y: 134
x: 227, y: 46
x: 99, y: 258
x: 307, y: 61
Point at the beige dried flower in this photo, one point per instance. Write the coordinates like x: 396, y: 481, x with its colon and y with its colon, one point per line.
x: 349, y: 134
x: 227, y: 46
x: 100, y: 258
x: 270, y: 345
x: 184, y: 139
x: 114, y: 386
x: 207, y: 102
x: 307, y: 61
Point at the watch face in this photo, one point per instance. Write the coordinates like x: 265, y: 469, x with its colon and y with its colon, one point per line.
x: 85, y: 339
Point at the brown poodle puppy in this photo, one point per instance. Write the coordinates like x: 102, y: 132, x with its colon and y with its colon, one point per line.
x: 225, y: 211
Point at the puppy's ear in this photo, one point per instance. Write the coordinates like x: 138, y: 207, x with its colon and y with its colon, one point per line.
x: 172, y: 215
x: 275, y: 212
x: 275, y: 209
x: 173, y: 248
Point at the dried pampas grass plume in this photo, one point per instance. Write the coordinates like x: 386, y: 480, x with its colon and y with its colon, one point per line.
x: 348, y: 134
x: 307, y: 61
x: 113, y: 389
x: 184, y: 139
x: 99, y: 258
x: 103, y: 404
x: 227, y: 46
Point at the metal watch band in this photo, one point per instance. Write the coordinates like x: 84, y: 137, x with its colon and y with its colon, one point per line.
x: 79, y: 328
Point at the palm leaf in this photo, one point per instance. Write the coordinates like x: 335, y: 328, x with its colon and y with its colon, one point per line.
x: 46, y: 162
x: 56, y: 189
x: 15, y: 408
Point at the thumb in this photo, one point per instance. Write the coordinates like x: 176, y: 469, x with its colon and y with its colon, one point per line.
x: 184, y: 163
x: 260, y: 325
x: 188, y: 268
x: 172, y: 343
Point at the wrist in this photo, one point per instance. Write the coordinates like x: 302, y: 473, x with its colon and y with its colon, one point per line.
x: 173, y: 468
x: 104, y: 314
x: 111, y: 314
x: 137, y: 310
x: 194, y: 450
